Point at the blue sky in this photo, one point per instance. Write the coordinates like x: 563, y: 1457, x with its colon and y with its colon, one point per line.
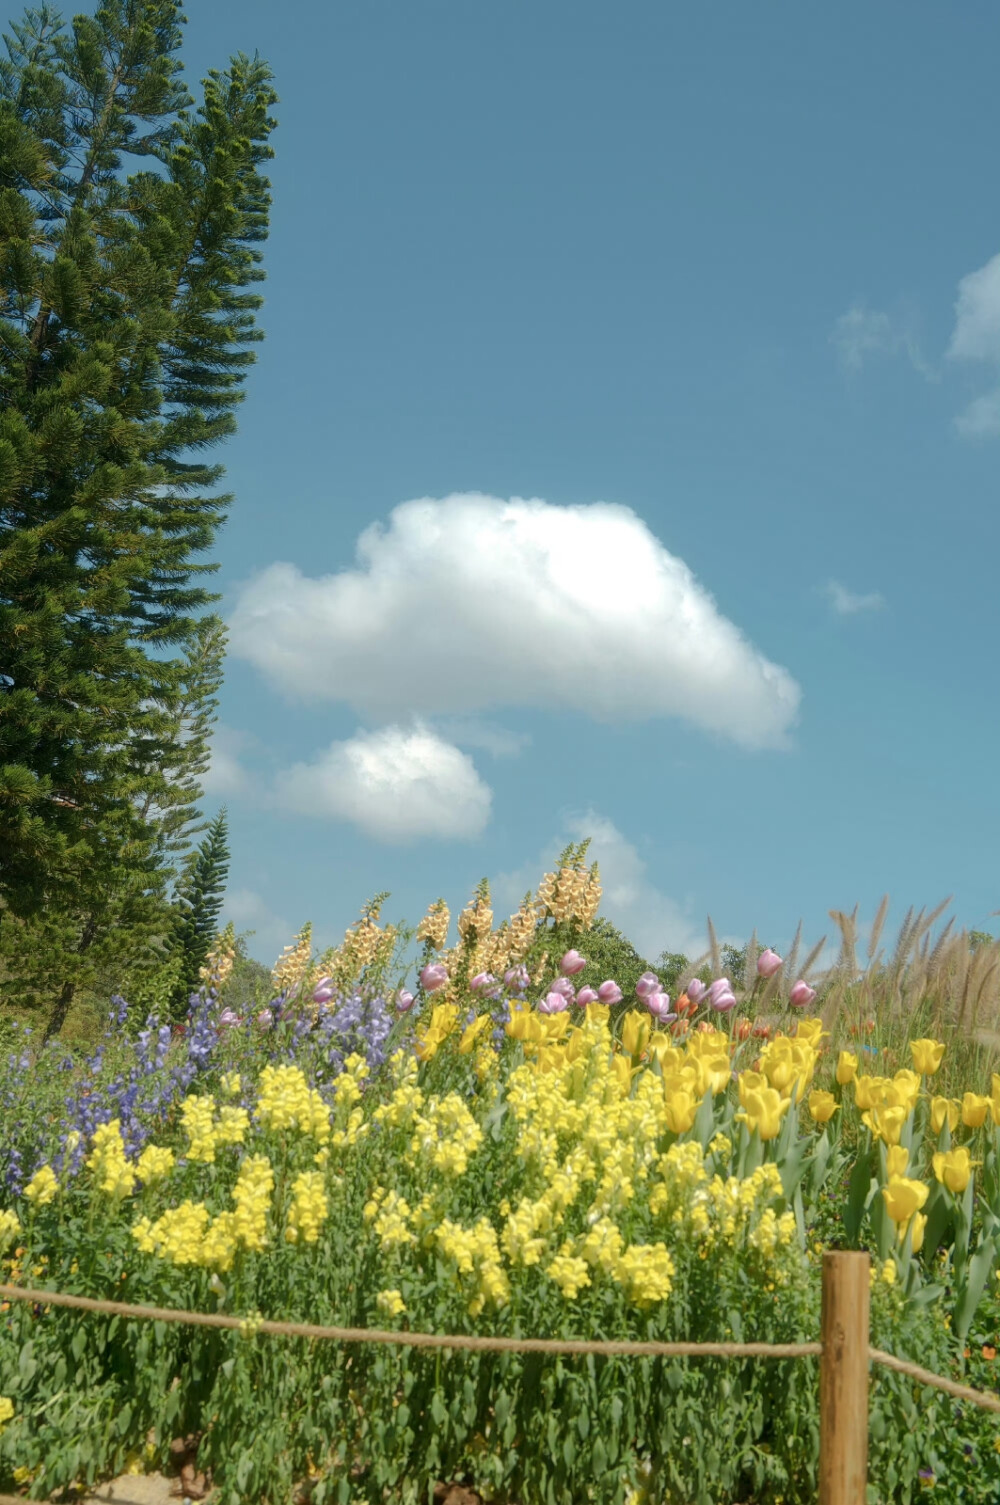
x: 719, y: 287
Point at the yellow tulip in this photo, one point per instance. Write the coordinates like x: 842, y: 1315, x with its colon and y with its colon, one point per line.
x: 943, y: 1110
x: 995, y: 1101
x: 662, y: 1048
x: 863, y: 1088
x: 822, y: 1106
x: 974, y: 1110
x: 679, y: 1109
x: 903, y: 1198
x: 897, y: 1158
x: 764, y: 1111
x: 749, y: 1081
x: 907, y: 1084
x: 707, y: 1042
x: 916, y: 1227
x: 811, y: 1031
x: 847, y: 1067
x: 636, y: 1029
x: 926, y: 1055
x: 472, y: 1032
x: 953, y: 1169
x: 886, y: 1123
x: 719, y: 1072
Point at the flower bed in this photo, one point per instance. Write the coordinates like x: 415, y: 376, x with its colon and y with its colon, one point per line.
x: 501, y: 1159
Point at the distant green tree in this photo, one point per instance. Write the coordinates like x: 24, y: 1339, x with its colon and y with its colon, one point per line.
x: 249, y: 983
x: 611, y: 955
x: 127, y: 327
x: 199, y: 898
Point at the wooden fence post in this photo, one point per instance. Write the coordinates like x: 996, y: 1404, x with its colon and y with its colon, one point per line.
x: 843, y: 1380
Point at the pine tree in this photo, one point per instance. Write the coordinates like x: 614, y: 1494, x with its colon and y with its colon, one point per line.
x: 127, y: 327
x: 199, y: 902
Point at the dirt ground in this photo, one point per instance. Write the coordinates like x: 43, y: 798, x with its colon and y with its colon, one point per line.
x: 138, y: 1489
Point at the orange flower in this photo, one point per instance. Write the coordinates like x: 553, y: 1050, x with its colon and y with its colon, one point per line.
x: 989, y: 1352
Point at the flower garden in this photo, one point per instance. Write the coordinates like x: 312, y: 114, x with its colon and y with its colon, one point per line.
x: 510, y: 1148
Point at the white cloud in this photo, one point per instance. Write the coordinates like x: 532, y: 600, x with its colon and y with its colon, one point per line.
x: 976, y: 337
x: 651, y: 920
x: 470, y: 603
x: 395, y: 784
x: 248, y: 911
x: 470, y: 731
x: 226, y: 775
x: 981, y: 419
x: 864, y: 332
x: 847, y: 603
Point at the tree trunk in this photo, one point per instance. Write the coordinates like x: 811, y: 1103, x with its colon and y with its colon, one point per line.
x: 58, y: 1016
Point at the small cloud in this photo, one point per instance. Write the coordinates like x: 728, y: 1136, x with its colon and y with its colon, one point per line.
x: 249, y: 911
x: 848, y: 603
x: 652, y: 920
x: 470, y: 603
x: 981, y: 419
x: 226, y: 775
x: 395, y: 784
x: 468, y: 731
x: 976, y: 337
x: 865, y: 332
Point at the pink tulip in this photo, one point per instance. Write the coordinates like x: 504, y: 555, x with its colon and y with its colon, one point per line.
x: 553, y: 1003
x: 609, y: 992
x: 228, y: 1017
x: 433, y: 976
x: 801, y: 995
x: 658, y: 1004
x: 572, y: 963
x: 768, y: 963
x: 324, y: 990
x: 265, y: 1018
x: 648, y: 983
x: 720, y: 995
x: 696, y: 990
x: 516, y: 977
x: 564, y: 986
x: 482, y: 980
x: 404, y: 1001
x: 585, y: 996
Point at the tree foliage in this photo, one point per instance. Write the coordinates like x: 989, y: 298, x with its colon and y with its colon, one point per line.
x: 198, y: 905
x: 130, y: 229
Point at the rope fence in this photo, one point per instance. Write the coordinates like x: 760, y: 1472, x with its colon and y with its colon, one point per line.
x: 844, y: 1352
